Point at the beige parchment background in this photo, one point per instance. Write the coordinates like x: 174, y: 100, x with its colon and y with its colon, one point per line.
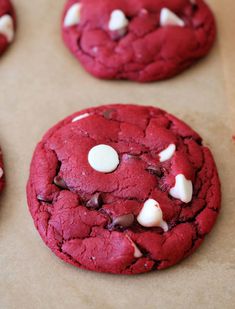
x: 41, y: 83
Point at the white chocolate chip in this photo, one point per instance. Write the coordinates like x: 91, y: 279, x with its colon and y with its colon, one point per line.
x: 103, y: 158
x: 1, y: 172
x: 167, y: 153
x: 80, y: 117
x: 118, y: 21
x: 72, y: 17
x: 7, y: 27
x: 143, y: 11
x: 164, y: 226
x: 151, y: 215
x: 168, y: 18
x: 183, y: 189
x: 137, y: 252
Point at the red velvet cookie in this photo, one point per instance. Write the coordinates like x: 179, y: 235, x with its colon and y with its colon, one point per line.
x: 1, y: 172
x: 7, y: 24
x: 141, y: 40
x: 123, y: 189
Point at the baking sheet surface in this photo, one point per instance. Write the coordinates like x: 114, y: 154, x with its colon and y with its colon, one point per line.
x: 41, y: 83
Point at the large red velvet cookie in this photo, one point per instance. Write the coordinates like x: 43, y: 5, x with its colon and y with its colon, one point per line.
x: 1, y: 172
x: 123, y: 189
x: 7, y: 24
x: 142, y: 40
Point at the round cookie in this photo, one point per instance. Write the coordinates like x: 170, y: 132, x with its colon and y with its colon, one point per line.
x: 123, y: 189
x: 141, y: 40
x: 7, y: 24
x: 1, y: 172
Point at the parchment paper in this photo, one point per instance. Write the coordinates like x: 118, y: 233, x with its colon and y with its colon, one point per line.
x: 41, y: 83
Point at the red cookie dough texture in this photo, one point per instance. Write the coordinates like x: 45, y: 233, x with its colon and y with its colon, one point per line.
x: 141, y: 40
x: 7, y: 24
x: 123, y: 189
x: 1, y: 172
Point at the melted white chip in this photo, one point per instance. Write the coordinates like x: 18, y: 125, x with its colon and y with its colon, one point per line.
x: 143, y: 11
x: 168, y: 18
x: 183, y: 189
x: 118, y: 21
x: 73, y: 15
x: 1, y: 172
x: 80, y: 117
x: 167, y: 153
x: 151, y: 215
x: 103, y: 158
x: 137, y: 252
x: 7, y: 27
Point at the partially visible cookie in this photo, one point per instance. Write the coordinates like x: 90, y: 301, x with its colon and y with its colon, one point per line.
x: 7, y: 24
x: 141, y: 40
x: 1, y: 172
x: 123, y: 189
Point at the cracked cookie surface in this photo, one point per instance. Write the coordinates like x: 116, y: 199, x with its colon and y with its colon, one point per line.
x: 7, y: 24
x: 141, y: 40
x: 152, y: 205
